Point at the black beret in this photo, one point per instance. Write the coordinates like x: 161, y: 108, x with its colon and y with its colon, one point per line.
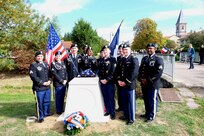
x: 101, y: 50
x: 120, y: 46
x: 127, y: 45
x: 86, y: 46
x: 105, y: 47
x: 58, y: 53
x: 38, y: 53
x: 73, y: 45
x: 151, y: 45
x: 89, y: 48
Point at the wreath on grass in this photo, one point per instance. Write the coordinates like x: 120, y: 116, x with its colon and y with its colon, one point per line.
x: 75, y: 122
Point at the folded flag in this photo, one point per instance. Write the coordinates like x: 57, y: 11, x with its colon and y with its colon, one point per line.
x: 88, y: 73
x: 164, y: 50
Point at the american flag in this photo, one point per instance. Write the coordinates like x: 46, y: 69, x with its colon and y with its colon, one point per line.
x: 54, y: 44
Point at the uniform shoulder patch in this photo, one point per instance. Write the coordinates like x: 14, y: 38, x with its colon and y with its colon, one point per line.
x: 160, y: 67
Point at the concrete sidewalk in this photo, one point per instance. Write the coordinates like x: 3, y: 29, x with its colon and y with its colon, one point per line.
x: 189, y: 77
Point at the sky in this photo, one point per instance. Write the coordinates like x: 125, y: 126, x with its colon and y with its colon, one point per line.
x: 106, y: 15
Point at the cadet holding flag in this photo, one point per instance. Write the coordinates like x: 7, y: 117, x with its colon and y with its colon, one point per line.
x: 150, y: 72
x: 41, y: 76
x: 59, y: 72
x: 73, y: 62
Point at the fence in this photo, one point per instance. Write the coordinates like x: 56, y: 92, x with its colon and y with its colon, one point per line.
x: 184, y: 57
x: 169, y: 62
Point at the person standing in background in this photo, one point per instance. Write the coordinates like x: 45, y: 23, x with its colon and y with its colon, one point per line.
x: 191, y: 54
x: 201, y: 54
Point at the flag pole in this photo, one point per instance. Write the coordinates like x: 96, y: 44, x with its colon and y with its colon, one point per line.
x: 115, y: 41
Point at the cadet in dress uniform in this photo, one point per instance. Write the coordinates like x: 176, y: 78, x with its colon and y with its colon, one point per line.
x: 107, y: 66
x: 118, y: 69
x: 126, y: 79
x: 84, y: 50
x: 101, y: 56
x: 73, y: 62
x: 150, y: 72
x: 40, y: 74
x: 59, y: 72
x: 89, y: 61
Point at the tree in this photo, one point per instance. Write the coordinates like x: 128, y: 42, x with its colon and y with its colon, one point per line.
x: 197, y: 39
x: 170, y: 44
x: 83, y: 34
x: 20, y: 26
x: 146, y: 32
x: 67, y: 37
x: 22, y: 31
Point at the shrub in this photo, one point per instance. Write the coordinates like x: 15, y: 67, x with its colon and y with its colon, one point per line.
x: 7, y: 64
x: 23, y: 59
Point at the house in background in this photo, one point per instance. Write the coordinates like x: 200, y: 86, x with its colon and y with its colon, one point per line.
x: 67, y: 44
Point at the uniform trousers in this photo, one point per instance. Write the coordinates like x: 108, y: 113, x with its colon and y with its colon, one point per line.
x: 108, y: 92
x: 42, y: 103
x: 150, y: 96
x: 129, y: 103
x: 59, y: 98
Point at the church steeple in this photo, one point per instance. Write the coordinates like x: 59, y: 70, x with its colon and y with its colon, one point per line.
x: 181, y: 25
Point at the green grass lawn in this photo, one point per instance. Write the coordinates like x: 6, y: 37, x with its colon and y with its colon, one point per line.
x: 17, y: 103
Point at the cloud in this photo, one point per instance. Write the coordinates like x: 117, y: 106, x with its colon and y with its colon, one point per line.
x: 53, y: 7
x: 190, y: 8
x: 165, y: 15
x: 126, y: 32
x: 191, y: 3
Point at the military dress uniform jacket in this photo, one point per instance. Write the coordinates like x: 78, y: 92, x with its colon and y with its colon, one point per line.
x: 60, y: 73
x: 151, y: 69
x: 118, y: 68
x: 73, y: 71
x: 128, y: 71
x: 106, y: 69
x: 39, y: 73
x: 89, y: 63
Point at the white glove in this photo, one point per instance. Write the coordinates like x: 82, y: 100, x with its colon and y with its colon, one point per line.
x: 64, y: 82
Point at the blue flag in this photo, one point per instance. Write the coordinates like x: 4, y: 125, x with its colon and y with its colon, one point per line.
x: 115, y: 40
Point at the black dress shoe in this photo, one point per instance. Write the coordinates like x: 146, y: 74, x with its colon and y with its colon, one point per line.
x: 40, y: 121
x: 59, y: 113
x: 122, y: 118
x: 130, y: 122
x: 47, y: 115
x: 106, y: 114
x: 149, y: 120
x: 112, y: 117
x: 143, y: 116
x: 118, y: 110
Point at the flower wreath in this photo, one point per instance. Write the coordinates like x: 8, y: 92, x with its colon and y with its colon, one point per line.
x: 74, y: 122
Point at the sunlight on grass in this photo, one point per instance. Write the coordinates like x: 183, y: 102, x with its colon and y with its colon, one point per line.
x: 17, y: 102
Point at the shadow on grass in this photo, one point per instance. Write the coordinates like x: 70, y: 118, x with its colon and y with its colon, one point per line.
x: 19, y: 109
x: 22, y: 110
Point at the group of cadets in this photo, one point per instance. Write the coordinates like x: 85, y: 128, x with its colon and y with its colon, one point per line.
x: 121, y: 73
